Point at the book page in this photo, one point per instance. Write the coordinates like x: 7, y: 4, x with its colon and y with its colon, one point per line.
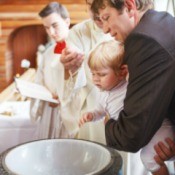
x: 34, y: 90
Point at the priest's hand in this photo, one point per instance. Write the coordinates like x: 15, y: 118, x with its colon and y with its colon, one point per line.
x: 71, y: 59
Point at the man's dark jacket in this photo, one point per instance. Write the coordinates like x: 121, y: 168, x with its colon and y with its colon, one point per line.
x: 150, y: 56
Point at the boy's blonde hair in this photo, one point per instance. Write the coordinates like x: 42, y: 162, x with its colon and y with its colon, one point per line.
x: 108, y: 54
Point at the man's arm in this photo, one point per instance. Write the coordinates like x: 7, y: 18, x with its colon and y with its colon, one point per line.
x: 149, y: 93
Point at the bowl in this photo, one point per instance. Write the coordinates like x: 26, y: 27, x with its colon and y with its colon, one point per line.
x: 58, y: 157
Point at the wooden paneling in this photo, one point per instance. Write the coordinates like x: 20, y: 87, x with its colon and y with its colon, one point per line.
x: 24, y: 42
x: 17, y: 13
x: 29, y: 13
x: 13, y: 24
x: 36, y: 8
x: 40, y: 1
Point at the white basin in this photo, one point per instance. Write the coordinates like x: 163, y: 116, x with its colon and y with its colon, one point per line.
x: 57, y: 157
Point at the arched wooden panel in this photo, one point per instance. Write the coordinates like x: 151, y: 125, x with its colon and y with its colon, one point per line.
x: 23, y: 44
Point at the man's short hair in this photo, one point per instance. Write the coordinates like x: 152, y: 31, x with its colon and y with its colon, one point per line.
x: 54, y: 7
x: 141, y: 5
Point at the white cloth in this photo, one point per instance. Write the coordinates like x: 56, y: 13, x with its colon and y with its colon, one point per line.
x: 147, y: 153
x: 86, y: 35
x: 134, y: 165
x: 50, y: 73
x: 17, y: 128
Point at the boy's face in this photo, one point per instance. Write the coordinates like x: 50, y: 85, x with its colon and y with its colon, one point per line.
x: 105, y: 78
x: 56, y: 27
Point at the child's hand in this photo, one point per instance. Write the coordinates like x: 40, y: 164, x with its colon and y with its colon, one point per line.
x: 106, y: 119
x: 54, y: 105
x: 87, y: 117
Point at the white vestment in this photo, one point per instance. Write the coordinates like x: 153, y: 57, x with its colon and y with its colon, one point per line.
x: 85, y: 36
x: 49, y: 118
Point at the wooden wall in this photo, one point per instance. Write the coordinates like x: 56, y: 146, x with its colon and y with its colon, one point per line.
x: 17, y: 13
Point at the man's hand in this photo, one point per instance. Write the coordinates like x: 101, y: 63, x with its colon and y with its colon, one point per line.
x: 71, y: 59
x: 164, y: 152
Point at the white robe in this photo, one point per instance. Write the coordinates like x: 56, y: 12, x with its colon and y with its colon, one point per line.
x: 49, y: 118
x: 85, y: 36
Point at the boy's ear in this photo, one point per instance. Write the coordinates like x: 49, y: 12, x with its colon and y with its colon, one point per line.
x: 124, y: 70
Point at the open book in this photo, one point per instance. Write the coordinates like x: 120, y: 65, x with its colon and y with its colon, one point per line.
x: 34, y: 90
